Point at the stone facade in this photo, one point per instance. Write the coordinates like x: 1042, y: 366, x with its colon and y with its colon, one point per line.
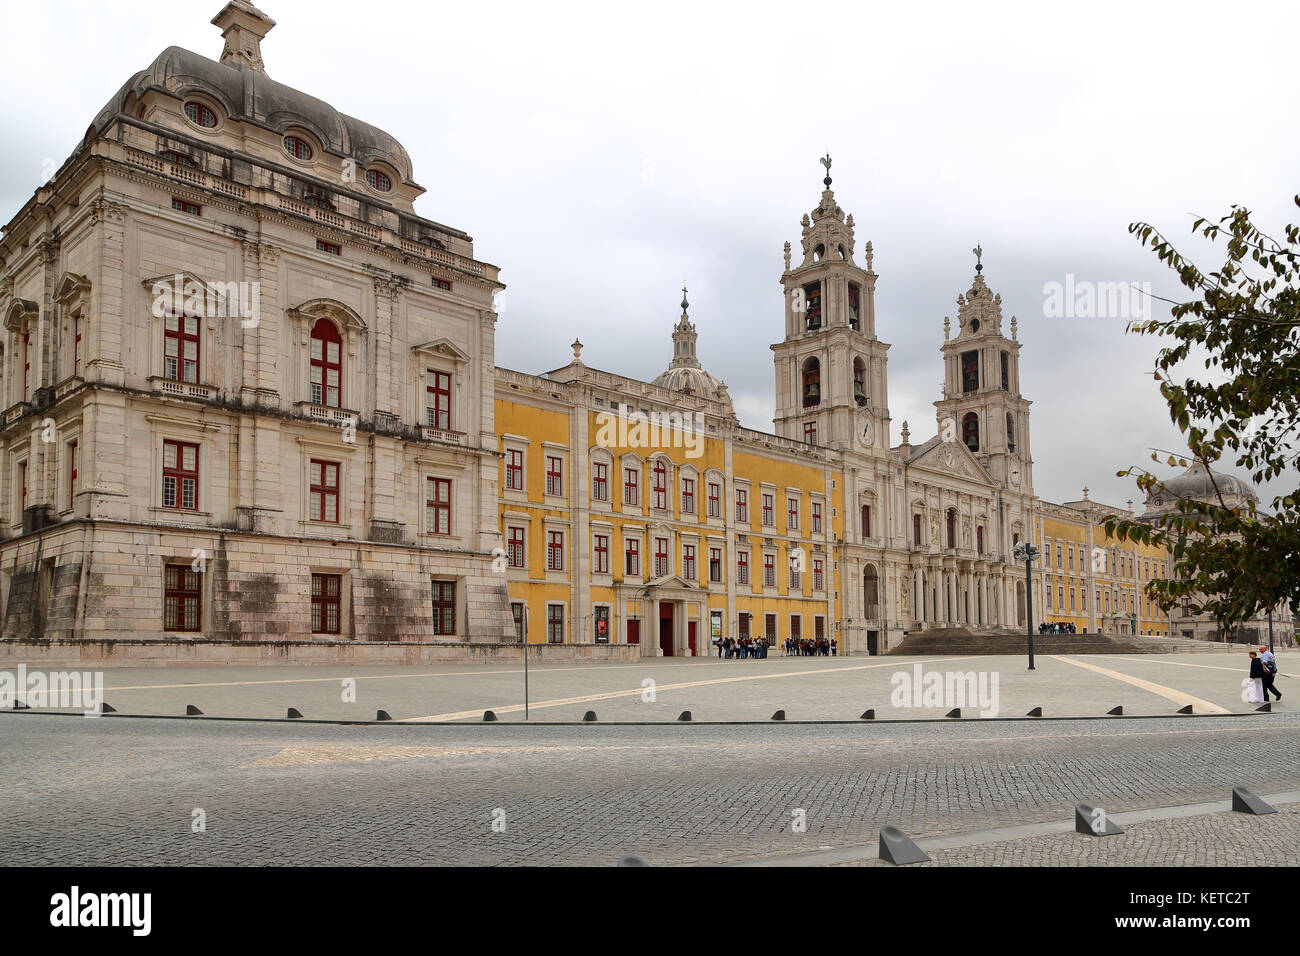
x: 223, y: 322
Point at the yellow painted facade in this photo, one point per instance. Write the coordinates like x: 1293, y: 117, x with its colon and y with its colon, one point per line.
x: 1089, y: 579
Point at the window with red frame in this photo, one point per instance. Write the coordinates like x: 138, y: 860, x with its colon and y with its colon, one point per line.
x: 514, y: 469
x: 916, y: 530
x: 438, y: 505
x: 599, y: 481
x: 554, y: 475
x: 181, y: 348
x: 810, y: 432
x: 180, y: 159
x: 76, y: 345
x: 601, y: 554
x: 323, y: 482
x: 659, y: 486
x: 22, y: 485
x: 742, y: 505
x: 444, y: 608
x: 715, y: 565
x: 816, y: 517
x: 378, y: 181
x: 688, y: 496
x: 72, y: 472
x: 326, y: 364
x: 200, y: 115
x: 979, y: 544
x: 742, y: 567
x: 437, y: 399
x: 326, y: 590
x: 182, y: 598
x: 443, y: 284
x: 715, y: 500
x: 661, y: 557
x: 769, y: 570
x: 515, y: 556
x: 792, y: 514
x: 555, y: 550
x: 688, y: 562
x: 189, y: 208
x: 180, y: 484
x: 333, y: 248
x: 866, y: 521
x: 631, y: 495
x: 817, y: 574
x: 769, y: 511
x: 632, y: 557
x: 297, y: 147
x: 27, y: 360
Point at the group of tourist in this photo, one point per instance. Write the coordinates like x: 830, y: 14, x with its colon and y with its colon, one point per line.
x: 1057, y: 627
x: 740, y: 647
x: 1263, y: 670
x: 811, y: 647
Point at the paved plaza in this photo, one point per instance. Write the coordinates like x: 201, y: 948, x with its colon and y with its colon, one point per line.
x: 806, y: 688
x: 117, y: 790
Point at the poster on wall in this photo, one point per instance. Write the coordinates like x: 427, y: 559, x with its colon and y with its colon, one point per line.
x: 715, y: 624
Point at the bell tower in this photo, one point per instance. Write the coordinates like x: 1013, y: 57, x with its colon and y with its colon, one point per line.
x: 831, y: 385
x: 982, y: 406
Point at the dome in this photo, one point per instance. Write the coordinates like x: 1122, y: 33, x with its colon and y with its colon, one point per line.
x: 686, y: 374
x: 248, y: 95
x: 1198, y: 482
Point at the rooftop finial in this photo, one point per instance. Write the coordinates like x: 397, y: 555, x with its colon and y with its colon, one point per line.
x: 826, y: 161
x: 1085, y: 492
x: 577, y: 351
x: 243, y: 26
x: 906, y: 435
x: 685, y: 304
x: 979, y: 253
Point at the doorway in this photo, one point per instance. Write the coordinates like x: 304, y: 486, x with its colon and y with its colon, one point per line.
x: 634, y: 632
x: 666, y: 628
x: 873, y: 643
x: 690, y: 637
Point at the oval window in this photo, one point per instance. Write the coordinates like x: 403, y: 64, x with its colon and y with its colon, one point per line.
x: 200, y: 115
x: 297, y: 147
x: 378, y: 181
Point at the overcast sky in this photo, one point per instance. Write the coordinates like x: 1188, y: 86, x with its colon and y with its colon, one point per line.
x: 601, y: 153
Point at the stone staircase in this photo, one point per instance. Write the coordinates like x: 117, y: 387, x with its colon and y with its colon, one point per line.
x: 1000, y: 640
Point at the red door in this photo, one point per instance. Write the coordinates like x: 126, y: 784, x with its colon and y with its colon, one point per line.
x: 690, y: 636
x: 666, y: 628
x: 634, y: 632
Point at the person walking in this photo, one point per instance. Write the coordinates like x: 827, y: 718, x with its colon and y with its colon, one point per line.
x: 1255, y: 687
x: 1270, y: 672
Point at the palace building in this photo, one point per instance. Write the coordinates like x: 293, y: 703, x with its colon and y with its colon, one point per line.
x: 251, y: 395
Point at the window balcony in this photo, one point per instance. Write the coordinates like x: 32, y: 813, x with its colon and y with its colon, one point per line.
x: 326, y: 413
x: 175, y: 389
x: 15, y: 412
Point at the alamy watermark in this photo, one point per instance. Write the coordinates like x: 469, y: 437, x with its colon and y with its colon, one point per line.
x: 632, y: 429
x: 921, y: 688
x: 222, y: 300
x: 1084, y: 299
x: 82, y: 690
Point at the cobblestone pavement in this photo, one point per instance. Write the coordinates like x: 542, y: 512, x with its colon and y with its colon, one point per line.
x: 1211, y: 839
x: 119, y: 790
x: 816, y: 688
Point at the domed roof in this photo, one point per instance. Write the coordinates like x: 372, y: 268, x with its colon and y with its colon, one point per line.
x: 248, y: 95
x: 686, y: 374
x: 1199, y: 482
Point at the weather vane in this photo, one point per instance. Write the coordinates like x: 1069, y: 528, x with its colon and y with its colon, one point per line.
x: 826, y: 161
x: 979, y: 252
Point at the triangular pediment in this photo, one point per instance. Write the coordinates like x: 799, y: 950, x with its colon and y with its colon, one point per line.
x: 671, y: 581
x: 952, y: 458
x: 443, y: 348
x: 71, y: 286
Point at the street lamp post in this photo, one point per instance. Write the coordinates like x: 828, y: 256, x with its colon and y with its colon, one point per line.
x: 1027, y: 553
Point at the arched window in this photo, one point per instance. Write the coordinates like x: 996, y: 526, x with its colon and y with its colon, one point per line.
x: 859, y: 381
x: 200, y: 115
x: 812, y: 383
x: 812, y: 297
x: 326, y: 364
x: 870, y: 593
x: 970, y: 431
x: 297, y: 147
x: 952, y: 527
x: 378, y: 181
x: 431, y: 242
x: 979, y: 539
x: 1011, y: 432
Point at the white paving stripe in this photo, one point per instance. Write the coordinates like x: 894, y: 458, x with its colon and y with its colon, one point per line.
x: 1168, y: 693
